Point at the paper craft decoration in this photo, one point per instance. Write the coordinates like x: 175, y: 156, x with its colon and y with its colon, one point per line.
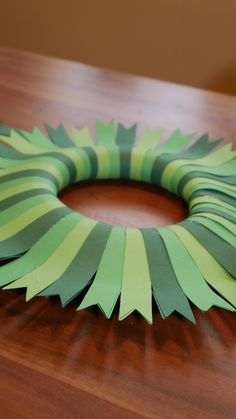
x: 53, y: 250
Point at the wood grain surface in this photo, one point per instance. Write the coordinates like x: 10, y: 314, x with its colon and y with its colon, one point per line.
x: 58, y: 363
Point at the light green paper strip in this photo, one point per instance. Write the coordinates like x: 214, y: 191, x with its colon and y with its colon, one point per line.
x: 188, y: 274
x: 24, y: 163
x: 57, y: 263
x: 216, y: 228
x: 37, y: 138
x: 105, y: 134
x: 210, y: 200
x: 114, y: 155
x: 212, y: 271
x: 82, y: 138
x: 9, y: 214
x: 40, y: 251
x: 15, y: 186
x: 106, y: 286
x: 226, y: 223
x: 17, y: 163
x: 147, y: 164
x: 150, y: 139
x: 20, y: 144
x: 104, y: 163
x: 227, y: 169
x: 196, y: 184
x: 136, y: 292
x: 21, y: 221
x: 106, y: 138
x: 80, y: 159
x: 6, y: 163
x: 51, y: 166
x: 83, y: 172
x: 219, y: 157
x: 137, y: 158
x: 198, y: 207
x: 176, y: 142
x: 212, y: 187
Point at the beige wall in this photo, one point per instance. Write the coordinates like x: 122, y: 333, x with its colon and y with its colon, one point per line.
x: 185, y: 41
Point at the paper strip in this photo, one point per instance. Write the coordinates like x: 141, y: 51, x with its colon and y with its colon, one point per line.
x: 106, y: 286
x: 166, y: 289
x: 136, y: 292
x: 85, y: 264
x: 41, y: 250
x: 59, y: 136
x: 211, y: 270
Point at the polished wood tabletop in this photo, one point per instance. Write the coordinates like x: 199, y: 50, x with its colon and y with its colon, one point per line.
x: 57, y: 363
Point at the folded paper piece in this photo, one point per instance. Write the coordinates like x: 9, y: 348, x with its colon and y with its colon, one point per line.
x: 52, y: 250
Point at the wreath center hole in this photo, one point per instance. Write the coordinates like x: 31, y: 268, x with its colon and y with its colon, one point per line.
x: 125, y: 203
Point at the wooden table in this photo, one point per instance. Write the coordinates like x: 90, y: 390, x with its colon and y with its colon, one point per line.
x: 67, y: 364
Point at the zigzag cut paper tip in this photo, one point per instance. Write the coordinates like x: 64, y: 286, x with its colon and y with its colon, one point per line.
x: 50, y: 249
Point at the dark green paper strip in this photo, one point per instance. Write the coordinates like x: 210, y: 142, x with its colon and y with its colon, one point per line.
x: 215, y: 194
x: 220, y: 220
x: 59, y: 136
x: 175, y: 143
x: 83, y: 267
x: 166, y: 289
x: 5, y: 130
x: 212, y: 203
x: 205, y: 186
x: 126, y: 136
x: 223, y: 252
x: 26, y: 238
x: 189, y: 277
x: 125, y: 140
x: 12, y: 200
x: 48, y: 164
x: 106, y: 286
x: 217, y: 164
x: 93, y: 162
x: 40, y: 251
x: 125, y: 159
x: 199, y: 149
x: 15, y: 213
x: 211, y: 270
x: 10, y: 153
x: 28, y: 173
x: 37, y: 138
x: 231, y: 180
x: 57, y: 262
x: 224, y: 168
x: 214, y: 211
x: 216, y: 228
x: 69, y: 163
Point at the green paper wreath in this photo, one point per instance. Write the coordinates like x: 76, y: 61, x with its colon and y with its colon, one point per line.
x: 56, y: 251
